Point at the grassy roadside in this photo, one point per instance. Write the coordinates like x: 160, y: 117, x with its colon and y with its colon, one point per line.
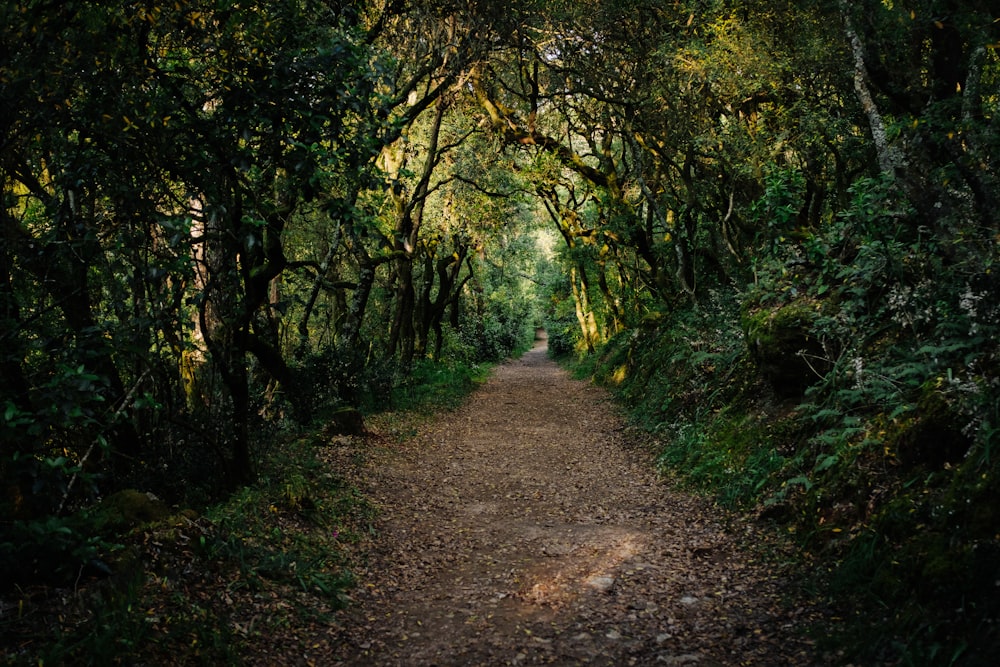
x: 904, y: 547
x: 260, y: 573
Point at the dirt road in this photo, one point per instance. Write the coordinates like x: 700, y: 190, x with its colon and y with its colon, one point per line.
x: 523, y: 529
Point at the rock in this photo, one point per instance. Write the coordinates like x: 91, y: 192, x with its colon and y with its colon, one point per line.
x: 602, y: 583
x: 784, y: 348
x: 129, y: 508
x: 345, y: 421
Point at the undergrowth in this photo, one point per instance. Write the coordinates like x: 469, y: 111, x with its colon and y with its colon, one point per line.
x: 688, y: 382
x: 438, y: 385
x: 269, y: 560
x: 850, y: 395
x: 200, y: 589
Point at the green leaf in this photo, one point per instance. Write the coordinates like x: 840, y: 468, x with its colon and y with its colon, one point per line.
x: 800, y: 481
x: 824, y: 462
x: 900, y: 410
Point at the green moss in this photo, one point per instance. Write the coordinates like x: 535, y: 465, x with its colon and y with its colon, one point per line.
x: 127, y: 509
x: 782, y: 343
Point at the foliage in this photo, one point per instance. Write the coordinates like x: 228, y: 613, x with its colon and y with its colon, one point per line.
x: 220, y: 221
x: 901, y: 423
x: 185, y: 187
x: 56, y: 551
x: 338, y: 376
x: 688, y: 381
x: 436, y: 385
x: 188, y: 588
x: 858, y: 411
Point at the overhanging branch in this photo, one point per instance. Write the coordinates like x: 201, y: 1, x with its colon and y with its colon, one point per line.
x: 513, y: 132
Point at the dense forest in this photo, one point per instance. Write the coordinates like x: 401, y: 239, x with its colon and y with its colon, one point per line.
x: 769, y: 227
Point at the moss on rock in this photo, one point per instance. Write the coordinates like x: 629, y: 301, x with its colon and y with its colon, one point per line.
x: 129, y: 508
x: 783, y: 346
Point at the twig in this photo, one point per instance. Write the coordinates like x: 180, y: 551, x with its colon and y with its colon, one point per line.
x: 90, y: 450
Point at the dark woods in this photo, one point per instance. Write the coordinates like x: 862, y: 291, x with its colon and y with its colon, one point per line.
x: 223, y: 222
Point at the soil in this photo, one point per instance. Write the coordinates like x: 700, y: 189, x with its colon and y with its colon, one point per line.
x: 526, y: 528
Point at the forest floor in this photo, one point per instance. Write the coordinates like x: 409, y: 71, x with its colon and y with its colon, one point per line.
x: 526, y: 528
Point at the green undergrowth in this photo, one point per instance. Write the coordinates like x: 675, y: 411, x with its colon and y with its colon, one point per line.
x: 880, y: 485
x: 206, y: 587
x: 438, y: 385
x: 201, y: 589
x: 688, y: 382
x: 431, y: 386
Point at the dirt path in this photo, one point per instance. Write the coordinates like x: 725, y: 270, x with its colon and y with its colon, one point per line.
x: 521, y: 530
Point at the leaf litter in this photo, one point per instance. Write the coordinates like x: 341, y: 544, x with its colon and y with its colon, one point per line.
x: 526, y: 527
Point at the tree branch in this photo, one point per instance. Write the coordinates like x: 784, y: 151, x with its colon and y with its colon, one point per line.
x: 513, y: 132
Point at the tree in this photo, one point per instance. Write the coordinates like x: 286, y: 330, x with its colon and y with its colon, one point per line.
x: 129, y: 141
x: 923, y: 63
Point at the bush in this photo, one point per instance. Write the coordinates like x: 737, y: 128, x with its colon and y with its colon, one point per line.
x: 438, y: 385
x: 55, y: 551
x: 898, y: 425
x: 345, y: 376
x: 563, y: 335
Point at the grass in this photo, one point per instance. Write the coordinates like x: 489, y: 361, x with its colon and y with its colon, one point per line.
x: 438, y: 386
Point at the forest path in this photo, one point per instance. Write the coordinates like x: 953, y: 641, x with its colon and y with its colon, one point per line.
x: 519, y: 530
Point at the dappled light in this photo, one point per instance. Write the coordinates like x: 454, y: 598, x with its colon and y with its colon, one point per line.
x: 514, y: 535
x: 590, y: 561
x: 248, y: 248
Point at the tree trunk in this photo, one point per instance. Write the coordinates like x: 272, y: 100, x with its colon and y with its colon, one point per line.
x: 324, y: 266
x: 448, y: 270
x: 424, y: 311
x: 402, y: 333
x: 350, y: 334
x: 15, y: 387
x: 609, y: 298
x: 229, y: 359
x: 194, y: 356
x: 225, y: 312
x: 888, y: 158
x: 584, y: 314
x: 409, y: 220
